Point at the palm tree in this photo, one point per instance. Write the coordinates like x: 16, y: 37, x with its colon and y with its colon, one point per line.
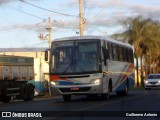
x: 132, y: 35
x: 144, y: 35
x: 152, y: 37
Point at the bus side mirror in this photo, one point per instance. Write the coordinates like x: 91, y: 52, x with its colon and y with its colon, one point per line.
x: 46, y: 57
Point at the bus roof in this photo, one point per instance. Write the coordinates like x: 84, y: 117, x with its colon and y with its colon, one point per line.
x: 93, y: 37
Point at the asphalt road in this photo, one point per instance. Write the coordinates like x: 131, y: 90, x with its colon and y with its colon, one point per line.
x: 137, y: 103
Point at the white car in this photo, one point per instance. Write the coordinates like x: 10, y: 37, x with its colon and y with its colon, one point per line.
x: 152, y: 81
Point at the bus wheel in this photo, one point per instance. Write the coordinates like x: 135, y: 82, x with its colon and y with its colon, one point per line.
x: 110, y: 86
x: 66, y: 98
x: 126, y: 89
x: 124, y: 92
x: 6, y: 99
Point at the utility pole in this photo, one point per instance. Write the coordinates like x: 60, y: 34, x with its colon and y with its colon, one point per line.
x: 80, y: 18
x: 49, y: 38
x: 49, y: 32
x: 49, y: 43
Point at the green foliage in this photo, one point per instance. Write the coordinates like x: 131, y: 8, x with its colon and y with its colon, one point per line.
x: 144, y: 35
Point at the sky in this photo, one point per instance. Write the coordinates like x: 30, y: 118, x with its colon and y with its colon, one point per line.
x: 22, y: 21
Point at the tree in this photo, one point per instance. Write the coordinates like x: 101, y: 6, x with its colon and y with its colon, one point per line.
x: 144, y: 35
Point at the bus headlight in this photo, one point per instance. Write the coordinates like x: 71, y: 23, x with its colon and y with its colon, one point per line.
x: 96, y: 81
x: 54, y: 83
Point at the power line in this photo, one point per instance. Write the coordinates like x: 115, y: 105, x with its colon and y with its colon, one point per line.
x: 47, y: 9
x: 33, y: 45
x: 37, y: 44
x: 18, y: 10
x: 84, y: 10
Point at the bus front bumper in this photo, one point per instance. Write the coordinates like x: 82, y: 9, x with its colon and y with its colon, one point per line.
x: 78, y: 89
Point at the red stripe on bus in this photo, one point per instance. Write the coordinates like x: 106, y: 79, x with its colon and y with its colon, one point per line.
x: 56, y: 77
x: 127, y: 72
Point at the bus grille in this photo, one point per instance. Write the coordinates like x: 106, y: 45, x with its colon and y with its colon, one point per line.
x: 84, y: 89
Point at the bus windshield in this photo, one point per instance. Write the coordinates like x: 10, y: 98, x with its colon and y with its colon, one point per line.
x: 73, y: 57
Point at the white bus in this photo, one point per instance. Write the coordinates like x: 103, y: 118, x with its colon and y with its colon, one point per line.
x: 91, y: 65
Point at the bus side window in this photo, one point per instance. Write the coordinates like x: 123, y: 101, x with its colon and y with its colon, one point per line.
x: 109, y: 51
x: 115, y: 52
x: 124, y: 54
x: 131, y: 55
x: 127, y: 55
x: 112, y: 51
x: 120, y: 54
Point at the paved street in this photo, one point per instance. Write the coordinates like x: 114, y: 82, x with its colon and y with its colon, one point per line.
x: 137, y: 101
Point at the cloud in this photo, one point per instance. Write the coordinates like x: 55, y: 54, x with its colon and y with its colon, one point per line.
x: 112, y: 11
x: 40, y: 27
x: 148, y: 11
x: 99, y: 13
x: 8, y: 1
x: 5, y: 1
x: 18, y: 26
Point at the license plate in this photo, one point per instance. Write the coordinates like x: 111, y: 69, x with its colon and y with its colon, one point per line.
x: 74, y: 88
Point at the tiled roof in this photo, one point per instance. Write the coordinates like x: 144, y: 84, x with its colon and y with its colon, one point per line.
x: 22, y: 49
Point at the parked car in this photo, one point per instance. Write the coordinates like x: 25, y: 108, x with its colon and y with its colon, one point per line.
x: 152, y: 81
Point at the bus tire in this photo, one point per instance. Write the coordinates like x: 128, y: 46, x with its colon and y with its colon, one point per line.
x: 106, y: 95
x: 66, y: 98
x: 110, y: 86
x: 125, y: 91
